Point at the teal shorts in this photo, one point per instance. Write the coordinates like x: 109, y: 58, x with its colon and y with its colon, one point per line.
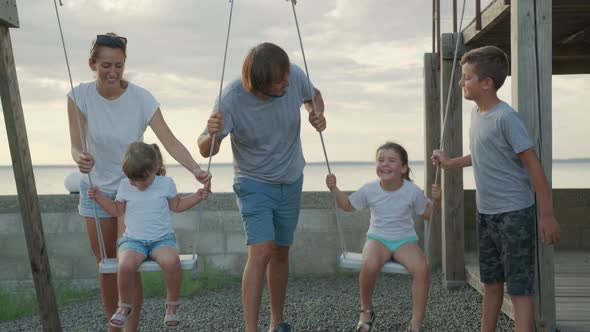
x: 392, y: 245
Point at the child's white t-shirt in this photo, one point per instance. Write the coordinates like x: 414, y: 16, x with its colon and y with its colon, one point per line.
x: 147, y: 214
x: 391, y: 211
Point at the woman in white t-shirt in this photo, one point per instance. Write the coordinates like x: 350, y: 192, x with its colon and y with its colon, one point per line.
x: 146, y: 198
x: 106, y: 115
x: 392, y: 199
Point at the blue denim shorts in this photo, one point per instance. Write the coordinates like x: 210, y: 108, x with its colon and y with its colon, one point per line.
x: 86, y: 205
x: 146, y: 247
x: 269, y: 211
x: 392, y: 245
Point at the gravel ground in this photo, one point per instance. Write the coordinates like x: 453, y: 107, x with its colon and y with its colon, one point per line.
x: 313, y: 304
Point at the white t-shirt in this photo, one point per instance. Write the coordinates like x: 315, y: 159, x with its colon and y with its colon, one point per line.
x: 391, y: 211
x: 112, y: 126
x: 147, y: 214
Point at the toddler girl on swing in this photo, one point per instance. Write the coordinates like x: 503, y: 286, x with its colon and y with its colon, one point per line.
x: 392, y: 199
x: 146, y: 198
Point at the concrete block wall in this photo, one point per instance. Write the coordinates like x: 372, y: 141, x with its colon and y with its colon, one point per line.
x: 220, y: 240
x: 220, y: 236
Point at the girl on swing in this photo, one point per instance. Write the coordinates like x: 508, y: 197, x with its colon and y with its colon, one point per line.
x: 392, y: 199
x: 146, y: 198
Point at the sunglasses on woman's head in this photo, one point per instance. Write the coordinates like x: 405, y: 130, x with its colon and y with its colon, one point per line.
x: 111, y: 41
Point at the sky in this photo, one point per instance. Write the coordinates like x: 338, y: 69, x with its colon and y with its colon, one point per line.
x: 365, y: 56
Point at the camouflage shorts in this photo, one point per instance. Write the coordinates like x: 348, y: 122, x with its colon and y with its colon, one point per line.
x: 506, y: 249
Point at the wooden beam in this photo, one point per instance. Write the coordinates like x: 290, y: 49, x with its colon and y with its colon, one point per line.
x: 25, y: 184
x: 531, y: 47
x: 431, y: 142
x: 453, y: 264
x: 8, y: 13
x: 490, y: 17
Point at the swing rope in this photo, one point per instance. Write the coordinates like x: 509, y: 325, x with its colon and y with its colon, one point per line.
x: 444, y: 122
x: 211, y: 148
x: 103, y: 253
x: 340, y: 232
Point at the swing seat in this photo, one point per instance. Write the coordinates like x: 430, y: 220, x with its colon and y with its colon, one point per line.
x: 110, y: 265
x: 354, y: 261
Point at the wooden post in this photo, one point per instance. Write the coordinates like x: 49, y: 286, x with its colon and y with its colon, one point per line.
x: 25, y: 183
x: 431, y: 142
x: 531, y: 53
x: 453, y: 256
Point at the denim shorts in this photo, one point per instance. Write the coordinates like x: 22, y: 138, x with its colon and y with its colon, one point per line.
x: 269, y: 211
x: 392, y: 245
x: 86, y: 205
x: 507, y: 249
x: 146, y: 247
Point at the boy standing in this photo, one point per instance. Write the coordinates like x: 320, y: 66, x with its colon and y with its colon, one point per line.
x: 504, y: 164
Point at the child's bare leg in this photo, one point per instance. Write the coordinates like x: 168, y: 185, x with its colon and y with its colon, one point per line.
x: 167, y: 257
x: 129, y: 261
x: 412, y: 258
x: 493, y: 295
x: 375, y: 254
x: 523, y: 312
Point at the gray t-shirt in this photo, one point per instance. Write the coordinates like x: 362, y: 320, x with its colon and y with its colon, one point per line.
x: 496, y: 138
x: 265, y: 134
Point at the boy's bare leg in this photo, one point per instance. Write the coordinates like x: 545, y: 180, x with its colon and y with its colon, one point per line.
x: 375, y: 254
x: 523, y: 313
x: 493, y: 295
x: 412, y: 258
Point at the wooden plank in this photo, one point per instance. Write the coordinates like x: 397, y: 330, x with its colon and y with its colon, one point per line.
x: 432, y: 126
x: 472, y: 278
x: 531, y: 46
x: 25, y: 183
x: 452, y: 181
x: 493, y: 14
x: 8, y: 13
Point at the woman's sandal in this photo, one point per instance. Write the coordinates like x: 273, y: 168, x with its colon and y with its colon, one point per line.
x: 368, y: 325
x: 171, y: 320
x: 119, y: 319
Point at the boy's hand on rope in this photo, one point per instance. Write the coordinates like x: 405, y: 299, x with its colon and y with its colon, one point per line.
x: 439, y: 158
x: 215, y: 123
x: 85, y: 162
x: 317, y: 120
x: 549, y: 229
x: 331, y: 181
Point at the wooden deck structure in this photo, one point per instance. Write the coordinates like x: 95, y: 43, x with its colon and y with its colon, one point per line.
x: 572, y: 289
x: 542, y: 38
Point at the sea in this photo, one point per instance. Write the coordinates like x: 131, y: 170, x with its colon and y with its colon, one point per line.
x: 49, y: 179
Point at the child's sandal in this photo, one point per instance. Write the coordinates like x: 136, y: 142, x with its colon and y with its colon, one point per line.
x: 171, y: 320
x: 119, y: 319
x: 368, y: 325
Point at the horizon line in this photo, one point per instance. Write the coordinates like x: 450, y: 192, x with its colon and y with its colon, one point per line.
x: 583, y: 159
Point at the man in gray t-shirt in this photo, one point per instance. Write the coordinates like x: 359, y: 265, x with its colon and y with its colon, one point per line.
x: 261, y: 114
